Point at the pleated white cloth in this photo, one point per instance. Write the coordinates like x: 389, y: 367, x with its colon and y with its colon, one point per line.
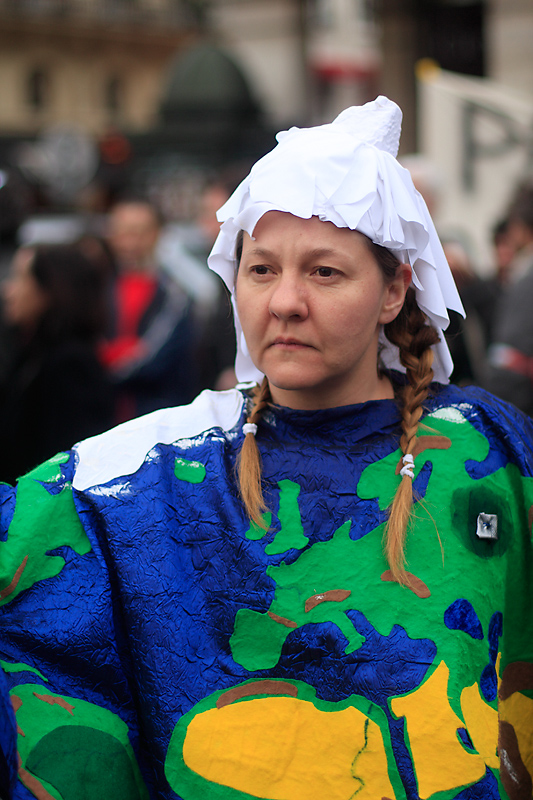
x: 345, y: 172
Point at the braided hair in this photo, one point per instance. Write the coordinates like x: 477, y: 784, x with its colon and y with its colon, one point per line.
x: 414, y: 338
x: 249, y: 459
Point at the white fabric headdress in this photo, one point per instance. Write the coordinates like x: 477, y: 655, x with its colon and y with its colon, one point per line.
x: 345, y: 172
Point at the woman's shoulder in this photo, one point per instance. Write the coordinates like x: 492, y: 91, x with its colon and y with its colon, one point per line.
x: 497, y: 419
x: 123, y: 449
x: 476, y: 398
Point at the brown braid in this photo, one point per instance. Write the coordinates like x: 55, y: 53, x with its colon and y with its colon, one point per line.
x: 414, y: 339
x: 249, y: 460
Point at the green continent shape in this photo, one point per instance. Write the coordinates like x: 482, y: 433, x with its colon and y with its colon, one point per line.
x: 255, y: 531
x: 258, y: 639
x: 379, y: 480
x: 7, y: 667
x: 191, y: 786
x: 100, y: 763
x: 290, y: 534
x: 75, y: 749
x: 465, y: 566
x: 41, y: 522
x: 49, y: 471
x: 189, y: 471
x: 458, y: 570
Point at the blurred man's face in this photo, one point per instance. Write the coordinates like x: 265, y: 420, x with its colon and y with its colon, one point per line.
x: 212, y: 199
x: 25, y: 301
x: 133, y: 232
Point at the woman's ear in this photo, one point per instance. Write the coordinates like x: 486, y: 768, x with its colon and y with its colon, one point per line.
x: 395, y: 292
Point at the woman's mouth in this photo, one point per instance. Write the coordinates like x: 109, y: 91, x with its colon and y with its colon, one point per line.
x: 289, y: 344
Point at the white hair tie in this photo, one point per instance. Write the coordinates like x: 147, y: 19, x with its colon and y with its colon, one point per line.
x: 249, y: 427
x: 408, y: 467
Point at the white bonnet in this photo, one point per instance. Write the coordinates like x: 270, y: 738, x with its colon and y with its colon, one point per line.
x: 345, y: 172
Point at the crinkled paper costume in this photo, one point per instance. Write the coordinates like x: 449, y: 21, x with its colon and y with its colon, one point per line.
x: 153, y: 644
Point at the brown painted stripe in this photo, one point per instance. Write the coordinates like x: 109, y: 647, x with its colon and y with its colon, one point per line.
x: 32, y: 784
x: 14, y: 583
x: 258, y: 687
x: 55, y: 701
x: 282, y: 620
x: 16, y: 702
x: 416, y: 585
x: 331, y: 596
x: 516, y: 677
x: 514, y: 774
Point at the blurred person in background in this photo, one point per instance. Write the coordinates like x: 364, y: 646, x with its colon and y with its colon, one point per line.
x: 16, y: 203
x: 55, y: 391
x: 467, y: 338
x: 510, y: 368
x: 427, y: 179
x: 481, y: 296
x: 149, y: 348
x: 217, y: 345
x: 504, y: 252
x: 183, y: 250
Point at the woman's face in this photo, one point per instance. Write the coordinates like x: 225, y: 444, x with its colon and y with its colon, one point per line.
x: 311, y: 299
x: 24, y: 300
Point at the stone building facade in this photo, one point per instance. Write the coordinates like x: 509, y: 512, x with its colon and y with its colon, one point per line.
x: 103, y: 63
x: 107, y: 66
x: 93, y: 63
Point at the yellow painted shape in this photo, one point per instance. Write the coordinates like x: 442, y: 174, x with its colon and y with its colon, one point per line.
x: 518, y: 711
x: 441, y: 762
x: 286, y: 749
x: 481, y: 722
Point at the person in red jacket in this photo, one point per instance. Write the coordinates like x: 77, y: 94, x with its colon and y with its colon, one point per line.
x: 149, y: 349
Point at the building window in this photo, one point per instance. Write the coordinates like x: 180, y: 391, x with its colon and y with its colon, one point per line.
x: 453, y: 34
x: 37, y: 88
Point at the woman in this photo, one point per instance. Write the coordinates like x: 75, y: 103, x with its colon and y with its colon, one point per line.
x: 54, y: 392
x: 237, y: 637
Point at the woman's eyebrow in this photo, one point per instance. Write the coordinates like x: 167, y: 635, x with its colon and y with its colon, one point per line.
x: 317, y: 252
x: 259, y: 251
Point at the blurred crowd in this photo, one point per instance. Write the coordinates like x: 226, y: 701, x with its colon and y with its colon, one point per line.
x: 100, y: 324
x: 493, y: 346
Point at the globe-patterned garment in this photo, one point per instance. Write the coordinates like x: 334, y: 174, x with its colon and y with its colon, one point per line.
x: 154, y: 644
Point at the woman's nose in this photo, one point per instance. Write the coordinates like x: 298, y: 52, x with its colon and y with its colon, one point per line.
x: 288, y: 299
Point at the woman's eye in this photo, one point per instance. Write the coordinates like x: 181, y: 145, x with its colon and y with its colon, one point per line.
x: 260, y: 270
x: 325, y: 272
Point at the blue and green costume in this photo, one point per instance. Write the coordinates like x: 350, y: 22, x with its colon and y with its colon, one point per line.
x: 154, y: 644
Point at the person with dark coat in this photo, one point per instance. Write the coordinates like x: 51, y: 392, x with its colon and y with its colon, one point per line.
x: 149, y: 345
x: 55, y: 391
x: 510, y: 370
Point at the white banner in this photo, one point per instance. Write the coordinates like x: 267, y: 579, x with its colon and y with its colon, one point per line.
x: 479, y: 136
